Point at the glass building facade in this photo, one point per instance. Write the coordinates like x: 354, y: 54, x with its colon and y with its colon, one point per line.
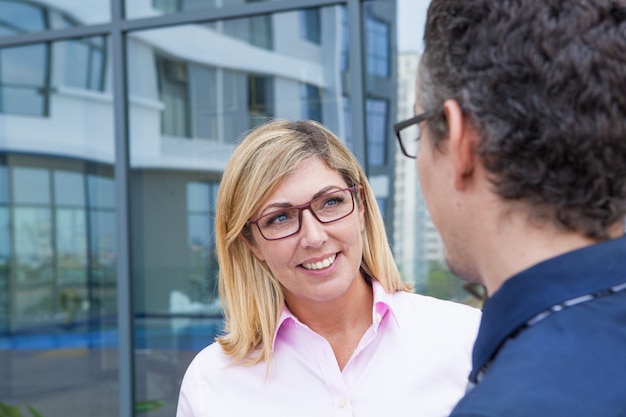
x: 116, y: 121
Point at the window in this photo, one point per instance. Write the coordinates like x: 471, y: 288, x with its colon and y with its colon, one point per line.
x: 173, y: 6
x: 202, y: 263
x: 19, y: 16
x: 204, y: 101
x: 174, y: 93
x: 260, y: 99
x: 310, y: 96
x: 377, y: 47
x: 376, y: 116
x: 5, y: 250
x: 85, y: 63
x: 345, y: 58
x: 310, y: 25
x: 255, y: 30
x: 25, y: 80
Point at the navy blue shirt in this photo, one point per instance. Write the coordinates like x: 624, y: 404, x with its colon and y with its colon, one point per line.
x: 572, y: 361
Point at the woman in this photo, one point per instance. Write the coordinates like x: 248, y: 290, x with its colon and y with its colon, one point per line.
x: 318, y: 320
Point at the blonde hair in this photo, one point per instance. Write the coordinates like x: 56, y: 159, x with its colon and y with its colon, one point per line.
x: 251, y: 297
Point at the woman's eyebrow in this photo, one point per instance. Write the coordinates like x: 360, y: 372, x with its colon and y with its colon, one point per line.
x: 287, y: 204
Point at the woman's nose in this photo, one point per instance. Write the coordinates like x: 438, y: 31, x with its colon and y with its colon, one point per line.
x: 312, y: 231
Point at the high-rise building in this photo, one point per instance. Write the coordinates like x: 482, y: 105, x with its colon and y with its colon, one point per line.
x: 416, y: 241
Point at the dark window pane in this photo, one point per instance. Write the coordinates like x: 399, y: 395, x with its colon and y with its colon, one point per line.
x: 260, y: 99
x: 24, y: 85
x: 174, y: 94
x: 84, y: 63
x: 376, y: 116
x: 310, y: 25
x: 377, y: 47
x: 19, y: 16
x: 22, y: 16
x: 311, y: 102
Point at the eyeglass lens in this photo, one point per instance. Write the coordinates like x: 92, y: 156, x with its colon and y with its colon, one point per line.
x: 326, y: 208
x: 409, y: 137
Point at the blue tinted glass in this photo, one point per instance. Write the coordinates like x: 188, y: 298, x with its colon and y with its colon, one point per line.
x: 4, y: 185
x: 377, y: 41
x: 101, y: 191
x: 69, y: 188
x: 31, y: 185
x: 23, y: 84
x: 198, y: 196
x: 23, y: 65
x: 376, y: 131
x: 19, y: 16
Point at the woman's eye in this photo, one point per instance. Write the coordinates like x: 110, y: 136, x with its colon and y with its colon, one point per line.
x: 334, y: 201
x: 277, y: 219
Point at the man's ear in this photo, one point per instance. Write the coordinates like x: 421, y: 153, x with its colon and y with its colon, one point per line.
x: 249, y: 241
x: 461, y: 143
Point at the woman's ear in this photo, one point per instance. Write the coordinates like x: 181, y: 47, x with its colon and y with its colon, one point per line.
x: 248, y: 239
x: 461, y: 143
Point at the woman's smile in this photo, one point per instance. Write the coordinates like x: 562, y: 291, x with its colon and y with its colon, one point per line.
x: 323, y: 264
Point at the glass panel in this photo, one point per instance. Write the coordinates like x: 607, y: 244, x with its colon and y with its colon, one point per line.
x: 194, y: 90
x: 34, y: 274
x: 4, y: 184
x: 31, y: 185
x: 57, y: 229
x: 24, y: 85
x: 87, y: 56
x: 310, y: 25
x: 19, y: 16
x: 69, y: 188
x: 5, y: 257
x: 418, y: 249
x: 22, y: 16
x: 311, y: 97
x: 377, y: 43
x: 376, y: 119
x: 146, y: 8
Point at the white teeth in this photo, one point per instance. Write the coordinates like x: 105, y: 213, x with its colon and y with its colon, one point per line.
x: 322, y: 264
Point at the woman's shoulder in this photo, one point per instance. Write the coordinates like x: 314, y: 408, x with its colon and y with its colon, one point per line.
x: 211, y: 357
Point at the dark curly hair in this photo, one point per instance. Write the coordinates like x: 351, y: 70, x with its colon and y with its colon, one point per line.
x: 544, y: 81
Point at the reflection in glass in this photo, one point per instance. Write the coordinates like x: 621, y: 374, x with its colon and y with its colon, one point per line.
x: 377, y: 47
x: 139, y: 9
x: 5, y: 254
x: 310, y: 25
x: 194, y: 90
x: 58, y: 286
x: 88, y: 58
x: 22, y: 16
x: 17, y: 16
x: 28, y: 83
x: 24, y: 82
x: 312, y: 102
x: 174, y: 92
x: 377, y: 119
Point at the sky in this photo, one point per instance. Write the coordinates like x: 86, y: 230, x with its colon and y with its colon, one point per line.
x: 411, y: 18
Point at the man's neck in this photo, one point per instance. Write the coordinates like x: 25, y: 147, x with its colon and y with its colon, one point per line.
x: 508, y: 250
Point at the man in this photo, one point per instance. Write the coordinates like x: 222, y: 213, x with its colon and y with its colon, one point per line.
x: 522, y: 163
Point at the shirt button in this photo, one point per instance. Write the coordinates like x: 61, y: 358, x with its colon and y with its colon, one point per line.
x: 379, y: 318
x: 341, y: 402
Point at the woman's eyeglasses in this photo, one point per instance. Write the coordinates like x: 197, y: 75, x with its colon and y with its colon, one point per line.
x: 287, y: 221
